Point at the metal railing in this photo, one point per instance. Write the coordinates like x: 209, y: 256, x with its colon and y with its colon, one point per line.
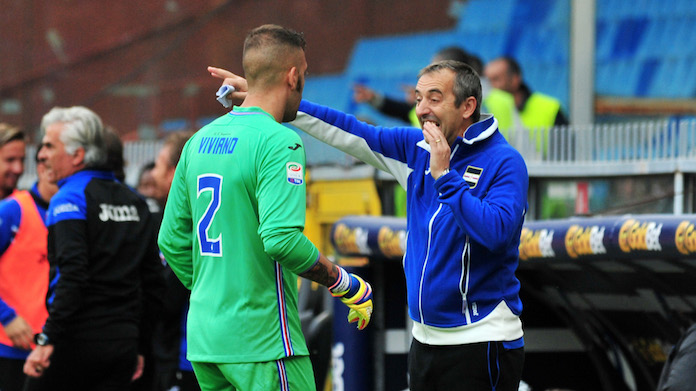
x: 609, y: 149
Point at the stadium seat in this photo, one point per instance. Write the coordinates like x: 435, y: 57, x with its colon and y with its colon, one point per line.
x: 175, y: 124
x: 644, y: 48
x: 604, y: 40
x: 403, y: 55
x: 329, y: 90
x: 477, y: 15
x: 628, y: 37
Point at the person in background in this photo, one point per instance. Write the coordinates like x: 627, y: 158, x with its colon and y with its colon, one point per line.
x: 105, y: 279
x: 535, y: 110
x: 404, y: 109
x: 495, y: 101
x: 115, y: 161
x: 12, y: 153
x: 172, y: 369
x: 23, y: 275
x: 146, y: 184
x: 162, y: 172
x: 467, y: 199
x: 232, y: 232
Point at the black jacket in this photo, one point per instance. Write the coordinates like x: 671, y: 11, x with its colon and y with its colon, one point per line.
x: 106, y: 277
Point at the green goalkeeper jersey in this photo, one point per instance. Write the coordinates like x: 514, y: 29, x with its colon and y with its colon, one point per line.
x: 232, y: 233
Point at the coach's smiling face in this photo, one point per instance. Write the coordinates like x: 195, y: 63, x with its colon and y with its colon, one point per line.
x: 435, y: 103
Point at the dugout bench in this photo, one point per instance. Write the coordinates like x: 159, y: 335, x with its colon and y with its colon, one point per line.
x: 604, y: 300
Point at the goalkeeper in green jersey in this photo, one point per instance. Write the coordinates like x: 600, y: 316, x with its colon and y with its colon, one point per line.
x: 232, y: 232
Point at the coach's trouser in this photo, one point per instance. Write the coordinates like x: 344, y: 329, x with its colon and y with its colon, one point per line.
x: 89, y: 365
x: 471, y: 367
x: 11, y: 374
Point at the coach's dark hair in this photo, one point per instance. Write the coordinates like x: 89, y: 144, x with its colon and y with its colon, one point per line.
x: 466, y: 82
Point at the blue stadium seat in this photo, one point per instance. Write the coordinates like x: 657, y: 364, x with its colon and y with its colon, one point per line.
x: 486, y: 15
x: 684, y: 78
x: 617, y: 77
x: 644, y: 48
x: 548, y: 78
x: 655, y: 37
x: 604, y: 40
x: 329, y: 90
x: 202, y: 121
x: 175, y: 124
x: 629, y: 36
x: 402, y: 54
x: 614, y: 10
x: 682, y: 36
x: 487, y: 45
x: 648, y: 76
x: 560, y: 13
x: 690, y: 35
x: 683, y: 7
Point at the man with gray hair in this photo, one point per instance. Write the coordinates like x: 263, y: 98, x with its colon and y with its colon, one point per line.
x: 105, y: 280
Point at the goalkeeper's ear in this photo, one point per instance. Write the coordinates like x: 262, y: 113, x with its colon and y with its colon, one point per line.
x: 293, y: 78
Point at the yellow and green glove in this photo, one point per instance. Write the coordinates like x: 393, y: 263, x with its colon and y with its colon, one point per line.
x: 356, y: 294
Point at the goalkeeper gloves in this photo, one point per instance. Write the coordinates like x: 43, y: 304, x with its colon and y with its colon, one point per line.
x: 356, y: 294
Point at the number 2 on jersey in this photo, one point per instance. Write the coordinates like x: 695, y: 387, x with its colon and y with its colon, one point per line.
x: 213, y: 184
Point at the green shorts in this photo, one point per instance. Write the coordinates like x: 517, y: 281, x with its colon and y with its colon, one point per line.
x: 289, y: 374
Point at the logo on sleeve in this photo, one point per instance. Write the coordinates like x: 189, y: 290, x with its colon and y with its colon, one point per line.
x: 294, y: 148
x: 295, y: 173
x: 65, y: 208
x: 472, y: 175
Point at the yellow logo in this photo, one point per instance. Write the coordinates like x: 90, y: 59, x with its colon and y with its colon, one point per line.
x: 635, y: 235
x: 584, y: 241
x: 536, y: 244
x: 391, y: 243
x: 350, y: 240
x: 685, y: 238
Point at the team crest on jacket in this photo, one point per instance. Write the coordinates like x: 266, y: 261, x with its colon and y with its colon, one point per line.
x: 295, y: 173
x: 472, y: 175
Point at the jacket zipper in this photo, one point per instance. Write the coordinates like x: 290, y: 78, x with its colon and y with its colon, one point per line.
x: 464, y: 280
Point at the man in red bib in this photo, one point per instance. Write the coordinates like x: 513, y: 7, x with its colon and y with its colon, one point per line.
x: 23, y: 264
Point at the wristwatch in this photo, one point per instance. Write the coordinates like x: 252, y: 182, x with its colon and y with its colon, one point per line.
x: 445, y: 172
x: 41, y: 339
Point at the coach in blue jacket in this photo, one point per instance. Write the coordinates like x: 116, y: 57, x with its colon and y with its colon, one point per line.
x: 467, y: 198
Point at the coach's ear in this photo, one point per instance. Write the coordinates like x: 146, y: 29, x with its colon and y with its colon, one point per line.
x: 468, y: 107
x: 78, y: 158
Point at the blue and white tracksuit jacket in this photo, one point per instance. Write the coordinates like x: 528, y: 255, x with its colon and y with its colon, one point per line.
x: 463, y: 229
